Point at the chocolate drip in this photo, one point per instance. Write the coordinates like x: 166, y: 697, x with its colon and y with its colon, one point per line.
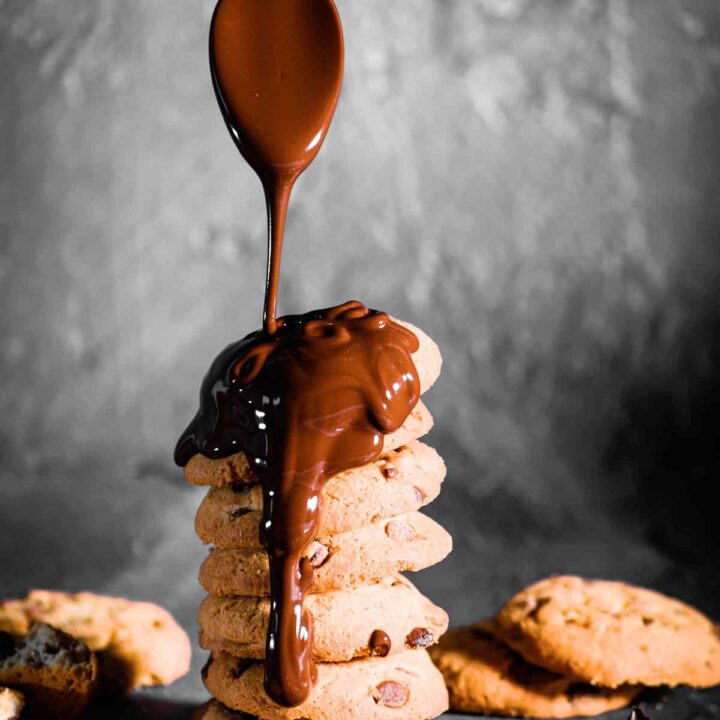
x: 310, y: 401
x: 277, y: 68
x: 380, y: 644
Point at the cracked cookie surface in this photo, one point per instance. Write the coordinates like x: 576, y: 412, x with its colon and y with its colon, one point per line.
x: 611, y: 634
x: 484, y: 676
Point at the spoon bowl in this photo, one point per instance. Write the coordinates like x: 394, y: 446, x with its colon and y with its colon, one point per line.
x: 277, y: 68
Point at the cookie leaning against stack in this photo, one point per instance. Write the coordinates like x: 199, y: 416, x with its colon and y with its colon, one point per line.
x: 567, y: 647
x: 371, y: 626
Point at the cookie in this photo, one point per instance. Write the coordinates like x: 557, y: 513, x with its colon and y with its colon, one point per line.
x: 611, y: 634
x: 11, y: 704
x: 400, y: 481
x: 55, y: 673
x: 427, y: 359
x: 406, y: 685
x: 359, y: 557
x: 484, y: 676
x: 379, y: 619
x: 138, y: 643
x: 235, y: 469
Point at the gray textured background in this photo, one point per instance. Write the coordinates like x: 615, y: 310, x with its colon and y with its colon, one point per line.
x: 535, y: 182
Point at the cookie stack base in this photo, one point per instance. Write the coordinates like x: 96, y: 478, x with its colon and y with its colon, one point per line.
x: 404, y: 684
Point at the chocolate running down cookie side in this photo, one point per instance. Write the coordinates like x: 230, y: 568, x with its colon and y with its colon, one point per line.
x: 309, y: 402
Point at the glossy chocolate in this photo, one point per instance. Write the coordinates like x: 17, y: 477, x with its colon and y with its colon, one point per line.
x: 277, y: 69
x: 380, y: 644
x: 308, y: 402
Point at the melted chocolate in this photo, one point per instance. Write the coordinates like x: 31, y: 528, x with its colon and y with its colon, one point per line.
x: 310, y: 401
x: 277, y: 68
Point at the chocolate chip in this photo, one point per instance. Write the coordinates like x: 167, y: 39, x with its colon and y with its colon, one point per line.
x: 237, y: 511
x: 7, y: 645
x: 380, y: 643
x: 241, y: 668
x: 391, y: 694
x: 399, y: 531
x: 389, y: 471
x: 419, y: 637
x: 419, y: 494
x: 320, y: 556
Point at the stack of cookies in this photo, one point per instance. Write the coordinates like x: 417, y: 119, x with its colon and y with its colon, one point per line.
x: 570, y: 647
x: 371, y: 626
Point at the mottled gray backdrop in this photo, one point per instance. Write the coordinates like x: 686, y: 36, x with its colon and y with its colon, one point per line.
x: 535, y: 182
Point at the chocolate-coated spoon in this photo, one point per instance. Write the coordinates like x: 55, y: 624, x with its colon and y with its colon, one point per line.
x: 277, y: 69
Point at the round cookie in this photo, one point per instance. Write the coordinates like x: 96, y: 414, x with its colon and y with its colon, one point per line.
x: 359, y: 557
x: 484, y: 676
x: 235, y: 470
x: 398, y: 482
x: 139, y: 644
x: 406, y: 685
x: 611, y: 634
x: 368, y: 620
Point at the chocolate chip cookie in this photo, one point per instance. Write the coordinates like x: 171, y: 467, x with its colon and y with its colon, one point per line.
x: 611, y: 634
x: 399, y: 481
x: 376, y: 620
x: 484, y: 676
x: 406, y: 685
x: 138, y: 643
x: 360, y: 557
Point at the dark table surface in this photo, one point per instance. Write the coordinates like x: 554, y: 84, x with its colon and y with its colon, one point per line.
x: 680, y: 704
